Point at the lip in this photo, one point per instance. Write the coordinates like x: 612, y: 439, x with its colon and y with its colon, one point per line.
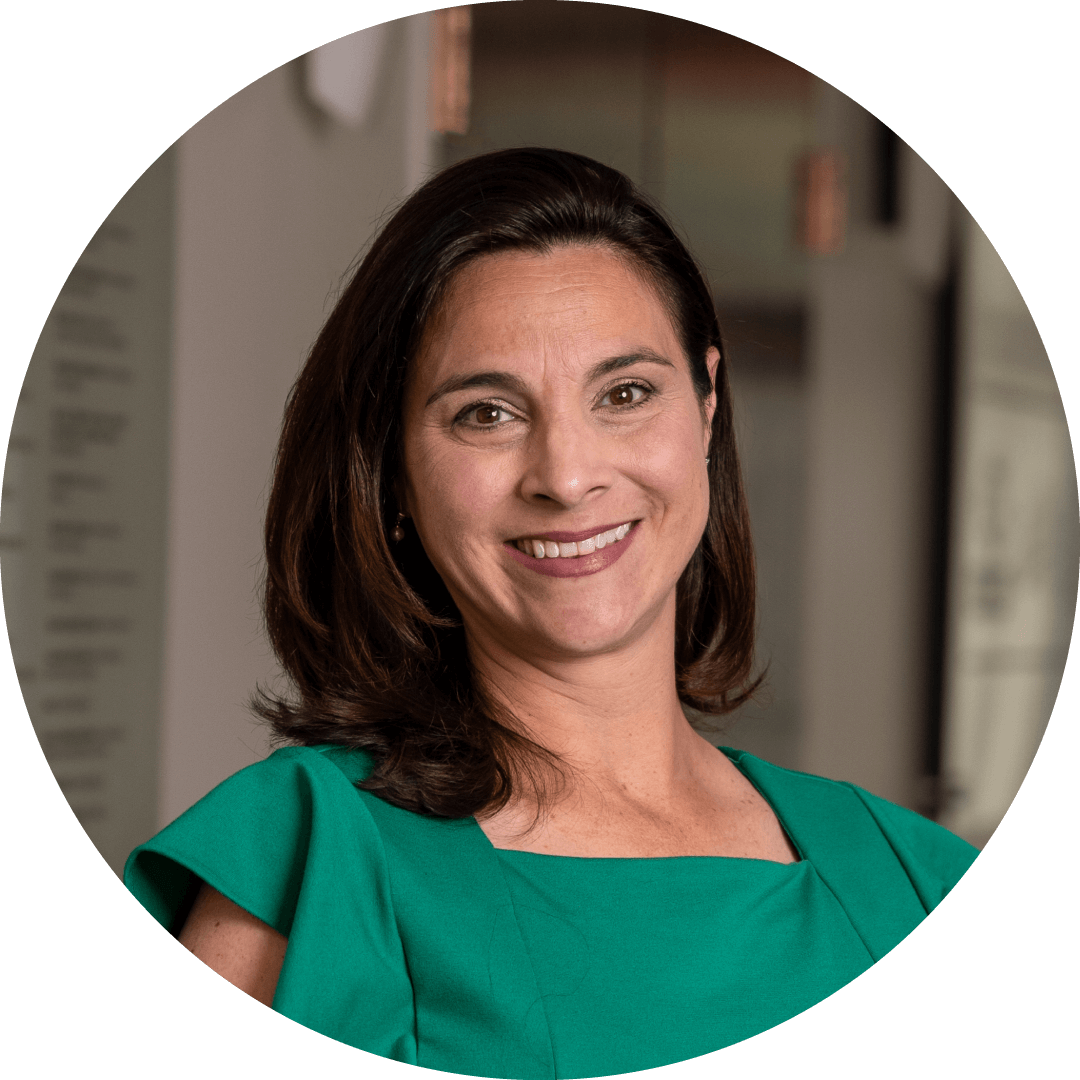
x: 582, y: 565
x: 581, y: 534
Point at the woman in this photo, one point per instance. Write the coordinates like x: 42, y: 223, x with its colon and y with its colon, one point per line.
x: 506, y: 545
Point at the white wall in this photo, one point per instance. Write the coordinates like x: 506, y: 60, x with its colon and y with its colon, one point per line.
x: 274, y: 201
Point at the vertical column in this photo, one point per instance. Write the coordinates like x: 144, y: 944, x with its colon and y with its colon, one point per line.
x: 419, y: 139
x: 654, y: 45
x: 871, y: 409
x: 275, y: 198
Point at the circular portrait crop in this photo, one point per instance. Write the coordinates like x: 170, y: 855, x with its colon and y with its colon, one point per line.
x: 540, y: 540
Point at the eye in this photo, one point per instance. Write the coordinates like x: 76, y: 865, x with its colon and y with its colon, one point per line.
x: 625, y: 394
x: 486, y: 415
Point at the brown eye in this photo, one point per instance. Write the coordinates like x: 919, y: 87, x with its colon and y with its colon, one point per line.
x: 488, y: 415
x: 626, y: 394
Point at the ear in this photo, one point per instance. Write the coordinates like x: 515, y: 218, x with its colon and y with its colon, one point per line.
x: 712, y: 362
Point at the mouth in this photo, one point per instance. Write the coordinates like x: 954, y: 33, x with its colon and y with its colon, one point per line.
x: 571, y: 545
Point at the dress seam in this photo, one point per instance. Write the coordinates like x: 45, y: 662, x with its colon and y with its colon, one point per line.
x: 390, y: 888
x: 532, y: 962
x: 892, y: 847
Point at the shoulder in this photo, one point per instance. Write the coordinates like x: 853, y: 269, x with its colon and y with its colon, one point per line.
x: 327, y: 761
x: 282, y: 790
x: 933, y: 858
x: 259, y: 833
x: 286, y: 783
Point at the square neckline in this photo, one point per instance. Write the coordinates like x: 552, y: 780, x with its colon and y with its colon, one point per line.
x: 729, y: 753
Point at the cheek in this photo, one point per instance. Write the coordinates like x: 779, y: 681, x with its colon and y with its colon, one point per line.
x: 670, y: 462
x: 452, y: 492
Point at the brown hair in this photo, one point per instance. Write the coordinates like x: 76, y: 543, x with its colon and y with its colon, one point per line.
x: 368, y: 635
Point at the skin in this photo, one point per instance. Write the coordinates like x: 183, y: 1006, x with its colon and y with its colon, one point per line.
x: 544, y: 439
x: 238, y: 946
x: 579, y: 412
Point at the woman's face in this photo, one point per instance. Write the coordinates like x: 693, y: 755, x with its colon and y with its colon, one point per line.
x: 551, y: 411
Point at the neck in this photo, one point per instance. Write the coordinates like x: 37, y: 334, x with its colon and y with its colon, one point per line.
x: 614, y: 719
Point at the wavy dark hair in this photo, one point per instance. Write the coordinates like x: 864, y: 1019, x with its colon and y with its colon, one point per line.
x: 366, y: 632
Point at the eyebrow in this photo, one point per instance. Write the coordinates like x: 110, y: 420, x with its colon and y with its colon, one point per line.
x: 514, y: 384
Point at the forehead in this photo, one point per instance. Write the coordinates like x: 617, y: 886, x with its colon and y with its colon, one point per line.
x: 570, y: 303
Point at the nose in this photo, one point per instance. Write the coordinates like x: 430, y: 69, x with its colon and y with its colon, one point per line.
x: 567, y: 462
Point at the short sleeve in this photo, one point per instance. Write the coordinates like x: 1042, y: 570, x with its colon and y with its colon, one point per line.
x: 934, y: 858
x: 292, y: 841
x: 250, y: 838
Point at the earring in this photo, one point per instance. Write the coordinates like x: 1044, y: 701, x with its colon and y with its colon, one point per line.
x: 706, y: 461
x: 397, y: 533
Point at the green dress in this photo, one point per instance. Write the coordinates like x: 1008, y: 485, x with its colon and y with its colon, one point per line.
x: 414, y: 938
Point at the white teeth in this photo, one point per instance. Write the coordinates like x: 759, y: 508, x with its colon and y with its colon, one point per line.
x: 549, y: 549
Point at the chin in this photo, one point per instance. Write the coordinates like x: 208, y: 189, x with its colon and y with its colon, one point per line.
x: 583, y: 637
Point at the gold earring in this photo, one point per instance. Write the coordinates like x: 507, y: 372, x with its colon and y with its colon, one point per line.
x: 397, y: 533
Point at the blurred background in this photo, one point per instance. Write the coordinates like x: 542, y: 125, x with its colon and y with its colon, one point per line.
x: 908, y: 464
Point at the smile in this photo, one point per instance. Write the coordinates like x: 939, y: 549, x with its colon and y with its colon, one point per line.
x: 553, y: 549
x: 575, y: 554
